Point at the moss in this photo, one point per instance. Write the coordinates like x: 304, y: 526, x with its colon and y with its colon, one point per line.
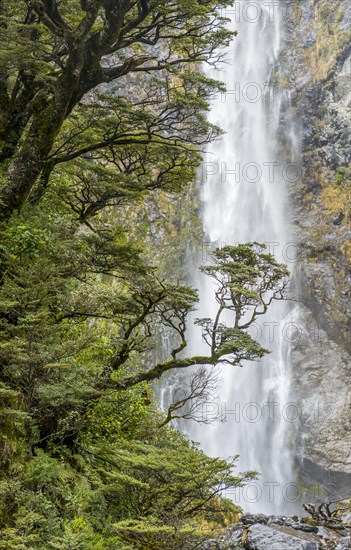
x: 342, y: 175
x: 227, y: 514
x: 310, y: 521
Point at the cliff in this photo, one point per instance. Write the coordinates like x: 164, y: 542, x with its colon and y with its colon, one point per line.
x: 317, y: 74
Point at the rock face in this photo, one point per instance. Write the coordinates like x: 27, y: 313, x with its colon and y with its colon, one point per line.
x: 318, y: 77
x: 263, y: 537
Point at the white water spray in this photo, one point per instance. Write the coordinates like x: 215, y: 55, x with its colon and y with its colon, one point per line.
x: 244, y: 194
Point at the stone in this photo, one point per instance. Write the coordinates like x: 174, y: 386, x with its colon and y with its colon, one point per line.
x: 230, y: 540
x: 302, y: 527
x: 263, y: 537
x: 344, y: 544
x: 251, y: 519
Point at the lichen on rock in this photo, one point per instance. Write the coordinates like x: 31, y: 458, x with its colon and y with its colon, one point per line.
x: 317, y: 57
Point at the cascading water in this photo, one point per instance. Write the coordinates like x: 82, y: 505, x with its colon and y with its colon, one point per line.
x: 244, y: 196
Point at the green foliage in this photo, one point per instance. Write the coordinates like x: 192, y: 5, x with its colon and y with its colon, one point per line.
x: 70, y: 90
x: 102, y: 119
x: 84, y: 464
x: 247, y: 280
x: 11, y: 427
x: 343, y: 176
x: 112, y: 489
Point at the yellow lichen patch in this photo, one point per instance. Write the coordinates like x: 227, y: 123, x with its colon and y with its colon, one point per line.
x: 310, y: 521
x: 346, y: 250
x: 330, y: 39
x: 337, y: 200
x: 308, y: 198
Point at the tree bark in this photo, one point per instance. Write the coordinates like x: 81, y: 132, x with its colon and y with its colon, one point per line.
x: 30, y: 157
x: 28, y: 161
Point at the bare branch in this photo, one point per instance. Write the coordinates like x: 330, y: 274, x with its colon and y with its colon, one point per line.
x: 188, y: 404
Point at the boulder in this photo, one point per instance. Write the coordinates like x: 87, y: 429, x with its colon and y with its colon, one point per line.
x: 264, y: 537
x: 344, y: 544
x: 251, y: 519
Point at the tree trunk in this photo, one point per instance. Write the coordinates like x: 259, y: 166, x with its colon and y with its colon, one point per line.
x: 28, y: 161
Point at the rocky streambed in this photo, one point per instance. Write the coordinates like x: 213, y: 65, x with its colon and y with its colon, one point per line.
x: 261, y: 532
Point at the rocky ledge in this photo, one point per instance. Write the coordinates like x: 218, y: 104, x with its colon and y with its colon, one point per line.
x: 260, y: 532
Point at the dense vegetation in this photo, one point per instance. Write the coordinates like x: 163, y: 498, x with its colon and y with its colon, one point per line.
x: 102, y: 105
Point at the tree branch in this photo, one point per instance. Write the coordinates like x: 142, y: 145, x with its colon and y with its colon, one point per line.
x: 157, y: 371
x: 49, y: 14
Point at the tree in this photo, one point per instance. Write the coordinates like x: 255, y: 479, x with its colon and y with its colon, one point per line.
x: 118, y: 489
x: 84, y: 461
x: 70, y: 300
x: 101, y: 105
x: 247, y: 281
x: 58, y: 63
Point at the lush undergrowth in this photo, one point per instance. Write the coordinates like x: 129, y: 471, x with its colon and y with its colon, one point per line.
x: 83, y: 465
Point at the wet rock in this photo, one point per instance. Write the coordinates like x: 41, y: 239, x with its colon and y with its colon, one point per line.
x: 329, y: 534
x: 278, y: 520
x: 344, y: 544
x: 264, y: 537
x: 321, y: 357
x: 251, y: 519
x: 261, y: 532
x: 230, y: 540
x: 322, y: 392
x: 301, y: 526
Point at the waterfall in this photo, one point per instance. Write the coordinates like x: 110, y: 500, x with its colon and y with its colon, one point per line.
x: 244, y: 199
